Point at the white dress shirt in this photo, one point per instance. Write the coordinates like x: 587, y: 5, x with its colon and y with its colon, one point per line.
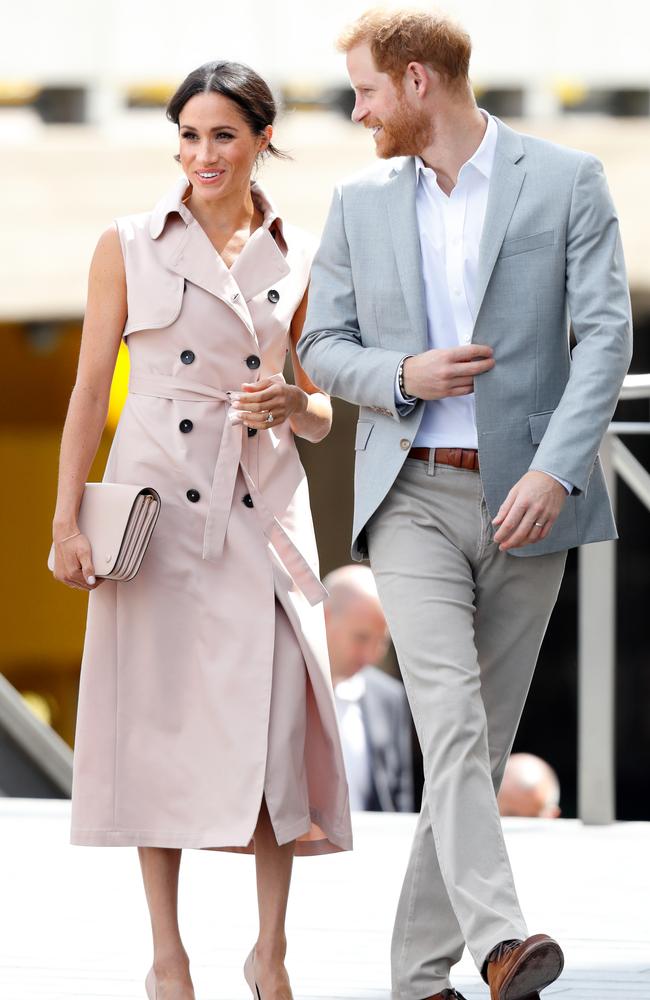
x: 354, y: 741
x: 450, y: 228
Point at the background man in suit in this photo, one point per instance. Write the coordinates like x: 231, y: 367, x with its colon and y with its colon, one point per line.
x: 439, y: 304
x: 373, y: 713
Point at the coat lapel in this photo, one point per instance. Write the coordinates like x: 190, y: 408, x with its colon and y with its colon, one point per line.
x: 260, y: 264
x: 508, y: 174
x: 400, y: 200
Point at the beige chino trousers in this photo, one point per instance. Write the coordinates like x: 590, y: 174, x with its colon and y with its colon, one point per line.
x: 467, y: 622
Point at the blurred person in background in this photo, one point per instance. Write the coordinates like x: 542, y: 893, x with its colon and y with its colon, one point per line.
x: 196, y: 727
x: 374, y: 717
x: 530, y: 787
x: 439, y: 304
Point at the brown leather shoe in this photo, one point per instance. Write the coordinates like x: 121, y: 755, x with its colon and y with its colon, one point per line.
x: 517, y: 969
x: 447, y: 995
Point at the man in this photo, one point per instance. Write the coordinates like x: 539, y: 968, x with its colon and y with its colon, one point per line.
x: 373, y: 713
x: 530, y: 787
x: 439, y: 303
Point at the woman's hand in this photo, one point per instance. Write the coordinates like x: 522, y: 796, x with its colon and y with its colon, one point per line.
x: 73, y: 564
x: 269, y: 396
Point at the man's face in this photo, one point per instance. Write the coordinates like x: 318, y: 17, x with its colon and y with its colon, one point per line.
x: 356, y: 636
x: 399, y: 127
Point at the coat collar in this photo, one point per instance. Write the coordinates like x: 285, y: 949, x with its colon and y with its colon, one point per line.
x: 187, y: 251
x: 175, y: 202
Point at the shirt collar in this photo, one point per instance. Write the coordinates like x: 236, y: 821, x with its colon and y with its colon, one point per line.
x: 174, y: 202
x: 482, y: 159
x: 352, y: 688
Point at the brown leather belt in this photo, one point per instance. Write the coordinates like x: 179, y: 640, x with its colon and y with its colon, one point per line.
x: 460, y: 458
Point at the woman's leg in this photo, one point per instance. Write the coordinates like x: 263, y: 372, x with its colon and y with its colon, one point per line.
x: 273, y: 868
x: 171, y: 967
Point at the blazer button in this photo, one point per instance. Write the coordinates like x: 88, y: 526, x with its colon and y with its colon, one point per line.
x: 187, y: 357
x: 252, y: 431
x: 252, y: 361
x: 193, y: 496
x: 247, y: 500
x: 273, y: 295
x: 185, y: 426
x: 405, y: 444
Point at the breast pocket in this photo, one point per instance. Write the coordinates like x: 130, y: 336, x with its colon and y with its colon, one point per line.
x: 524, y: 244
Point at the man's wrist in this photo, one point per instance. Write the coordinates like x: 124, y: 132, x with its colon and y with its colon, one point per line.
x: 406, y: 396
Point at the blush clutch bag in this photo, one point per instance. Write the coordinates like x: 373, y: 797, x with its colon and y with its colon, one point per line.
x: 118, y: 520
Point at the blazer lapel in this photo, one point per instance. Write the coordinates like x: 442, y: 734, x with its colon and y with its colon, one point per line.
x: 505, y: 186
x: 400, y: 200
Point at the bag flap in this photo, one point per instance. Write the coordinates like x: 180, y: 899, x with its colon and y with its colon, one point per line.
x: 103, y: 517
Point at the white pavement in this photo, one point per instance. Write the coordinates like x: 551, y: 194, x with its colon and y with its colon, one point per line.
x: 73, y: 922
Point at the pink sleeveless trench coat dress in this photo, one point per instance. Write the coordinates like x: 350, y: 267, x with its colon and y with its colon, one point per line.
x: 205, y: 680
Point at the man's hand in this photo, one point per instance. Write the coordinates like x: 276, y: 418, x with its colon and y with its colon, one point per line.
x: 448, y: 371
x: 529, y: 511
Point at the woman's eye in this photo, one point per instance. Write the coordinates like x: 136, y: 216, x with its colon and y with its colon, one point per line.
x: 225, y: 135
x: 188, y: 135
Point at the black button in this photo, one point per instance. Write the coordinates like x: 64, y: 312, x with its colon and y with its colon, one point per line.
x: 247, y: 500
x: 252, y: 361
x: 273, y: 295
x: 185, y: 426
x: 187, y: 357
x: 252, y: 431
x: 193, y: 496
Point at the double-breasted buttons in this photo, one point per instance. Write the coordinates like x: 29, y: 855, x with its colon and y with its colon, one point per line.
x: 252, y: 361
x: 405, y: 444
x: 273, y: 295
x: 252, y: 431
x: 187, y: 357
x: 185, y: 426
x: 247, y: 500
x: 193, y: 496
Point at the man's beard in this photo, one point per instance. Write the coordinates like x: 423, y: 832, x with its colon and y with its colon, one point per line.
x: 406, y: 133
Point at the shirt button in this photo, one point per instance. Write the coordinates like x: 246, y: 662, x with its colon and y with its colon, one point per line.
x: 252, y: 431
x: 405, y: 444
x: 252, y: 361
x: 247, y: 500
x: 193, y: 496
x: 273, y: 295
x: 187, y: 357
x: 185, y: 426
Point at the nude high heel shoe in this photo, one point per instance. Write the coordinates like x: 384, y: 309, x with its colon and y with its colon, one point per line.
x: 249, y: 976
x: 150, y: 985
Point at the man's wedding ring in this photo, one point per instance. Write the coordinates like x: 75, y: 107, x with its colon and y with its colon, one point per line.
x: 539, y: 524
x: 269, y: 418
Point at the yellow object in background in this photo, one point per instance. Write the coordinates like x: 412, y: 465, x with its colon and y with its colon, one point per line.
x: 570, y: 92
x: 119, y: 387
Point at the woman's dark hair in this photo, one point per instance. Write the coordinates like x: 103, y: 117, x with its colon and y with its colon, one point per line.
x: 240, y: 84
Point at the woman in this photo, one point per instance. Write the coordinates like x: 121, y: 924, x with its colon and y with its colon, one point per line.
x: 206, y: 716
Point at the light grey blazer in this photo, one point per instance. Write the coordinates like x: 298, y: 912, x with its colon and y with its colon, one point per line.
x: 550, y: 253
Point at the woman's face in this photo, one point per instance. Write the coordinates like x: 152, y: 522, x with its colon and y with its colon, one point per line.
x: 217, y: 147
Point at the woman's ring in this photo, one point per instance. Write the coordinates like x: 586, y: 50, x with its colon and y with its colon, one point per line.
x: 539, y: 524
x: 269, y: 419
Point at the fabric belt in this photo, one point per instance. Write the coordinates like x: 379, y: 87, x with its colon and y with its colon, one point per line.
x: 229, y: 461
x: 460, y: 458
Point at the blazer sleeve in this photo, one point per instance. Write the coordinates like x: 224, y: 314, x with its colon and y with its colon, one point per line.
x: 599, y: 307
x: 331, y: 348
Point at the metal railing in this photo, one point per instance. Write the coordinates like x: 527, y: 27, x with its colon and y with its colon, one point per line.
x: 45, y: 748
x: 597, y: 626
